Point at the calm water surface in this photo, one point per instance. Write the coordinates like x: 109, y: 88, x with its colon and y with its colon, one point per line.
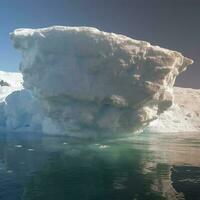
x: 143, y: 167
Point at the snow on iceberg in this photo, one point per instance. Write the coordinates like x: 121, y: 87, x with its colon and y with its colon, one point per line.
x: 86, y: 79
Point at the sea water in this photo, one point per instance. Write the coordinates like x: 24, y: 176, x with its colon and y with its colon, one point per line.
x: 142, y: 167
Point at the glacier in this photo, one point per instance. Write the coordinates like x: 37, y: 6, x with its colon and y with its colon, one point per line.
x: 82, y: 81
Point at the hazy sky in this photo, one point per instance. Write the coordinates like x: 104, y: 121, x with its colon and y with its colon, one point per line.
x: 174, y: 24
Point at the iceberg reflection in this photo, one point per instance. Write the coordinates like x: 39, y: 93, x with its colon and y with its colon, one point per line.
x: 144, y: 167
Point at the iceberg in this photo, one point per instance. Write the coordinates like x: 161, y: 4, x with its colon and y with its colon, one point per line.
x: 84, y: 80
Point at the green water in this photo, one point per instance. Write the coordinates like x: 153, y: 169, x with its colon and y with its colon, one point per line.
x: 142, y: 167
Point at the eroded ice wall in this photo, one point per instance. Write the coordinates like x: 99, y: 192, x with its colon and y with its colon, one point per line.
x: 93, y: 80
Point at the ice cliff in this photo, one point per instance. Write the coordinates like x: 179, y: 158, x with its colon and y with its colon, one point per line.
x: 86, y: 79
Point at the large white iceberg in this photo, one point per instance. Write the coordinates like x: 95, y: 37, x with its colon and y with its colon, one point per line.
x: 86, y: 79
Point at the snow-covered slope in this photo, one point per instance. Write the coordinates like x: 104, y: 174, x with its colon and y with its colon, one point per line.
x: 93, y: 80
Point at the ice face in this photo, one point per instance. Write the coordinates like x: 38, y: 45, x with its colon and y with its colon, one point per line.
x: 93, y: 80
x: 22, y: 112
x: 18, y: 108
